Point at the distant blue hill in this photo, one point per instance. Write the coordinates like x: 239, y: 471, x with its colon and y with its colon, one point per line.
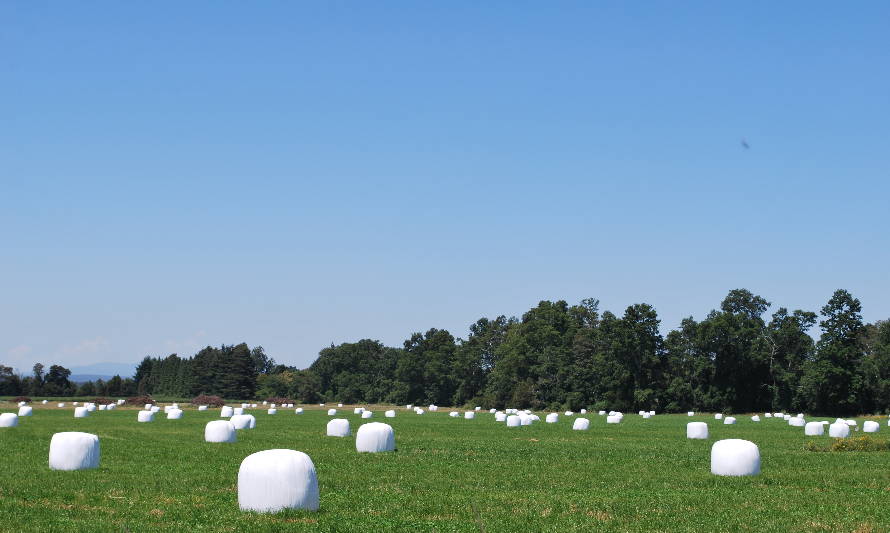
x: 105, y: 371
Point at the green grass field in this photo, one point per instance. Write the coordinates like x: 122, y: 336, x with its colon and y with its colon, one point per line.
x: 449, y: 474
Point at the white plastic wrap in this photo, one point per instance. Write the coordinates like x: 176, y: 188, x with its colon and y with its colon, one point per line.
x: 696, y: 430
x: 375, y: 437
x: 581, y: 424
x: 338, y: 427
x: 274, y: 480
x: 735, y: 457
x: 73, y: 450
x: 219, y: 431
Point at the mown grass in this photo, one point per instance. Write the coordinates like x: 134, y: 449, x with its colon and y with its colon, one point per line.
x: 447, y: 475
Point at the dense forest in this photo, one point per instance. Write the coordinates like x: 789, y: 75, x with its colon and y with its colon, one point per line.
x: 557, y: 356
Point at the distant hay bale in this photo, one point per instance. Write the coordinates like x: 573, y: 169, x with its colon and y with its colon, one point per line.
x: 525, y: 419
x: 358, y: 410
x: 813, y: 429
x: 367, y: 414
x: 870, y: 426
x: 469, y: 415
x: 419, y: 411
x: 272, y: 411
x: 237, y: 411
x: 552, y: 418
x: 647, y: 415
x: 729, y: 420
x: 9, y: 420
x: 409, y: 406
x: 581, y: 424
x: 390, y: 414
x: 102, y: 407
x: 613, y: 419
x: 477, y: 408
x: 492, y: 411
x: 735, y: 457
x: 696, y: 430
x: 851, y: 422
x: 73, y: 450
x: 338, y: 427
x: 454, y: 414
x: 155, y: 409
x: 839, y: 431
x: 273, y: 480
x: 375, y: 437
x: 81, y: 412
x: 148, y: 406
x: 755, y: 418
x: 339, y: 405
x: 44, y: 402
x: 226, y: 412
x: 767, y: 415
x: 202, y: 408
x: 796, y: 422
x: 718, y: 416
x: 298, y: 410
x: 500, y: 417
x: 25, y: 410
x: 332, y: 412
x: 433, y: 408
x: 786, y: 417
x: 145, y: 416
x: 220, y: 431
x: 61, y: 404
x: 513, y: 421
x: 241, y: 421
x: 174, y: 414
x: 601, y: 413
x: 568, y: 413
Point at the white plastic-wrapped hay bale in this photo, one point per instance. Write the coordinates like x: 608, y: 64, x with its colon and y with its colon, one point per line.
x: 202, y: 408
x: 729, y: 420
x: 839, y: 431
x: 813, y: 429
x: 552, y: 418
x: 583, y: 411
x: 477, y: 408
x: 338, y: 427
x: 339, y: 405
x: 433, y: 408
x: 513, y: 421
x: 220, y: 431
x: 62, y: 404
x: 244, y: 406
x: 613, y: 419
x: 786, y: 417
x: 73, y: 450
x: 226, y: 412
x: 155, y: 409
x: 145, y: 416
x: 272, y: 411
x: 755, y: 418
x: 735, y: 457
x: 22, y: 404
x: 174, y: 414
x: 800, y: 415
x: 696, y: 430
x: 81, y: 412
x: 568, y: 413
x: 851, y: 423
x: 272, y: 406
x: 76, y: 403
x: 647, y: 415
x: 651, y: 413
x: 167, y: 408
x: 581, y: 424
x: 767, y: 415
x: 526, y: 419
x: 492, y: 411
x: 332, y: 412
x: 44, y: 402
x: 390, y: 414
x: 110, y: 406
x: 265, y: 402
x: 358, y: 410
x: 119, y: 402
x: 298, y: 410
x: 601, y: 413
x: 870, y: 426
x: 718, y: 416
x: 454, y: 414
x: 375, y: 437
x: 102, y: 407
x: 778, y: 415
x: 419, y: 411
x: 237, y: 411
x: 641, y: 412
x: 25, y: 410
x: 273, y: 480
x: 469, y: 415
x: 409, y: 406
x: 9, y: 420
x: 796, y: 422
x: 241, y: 421
x: 254, y: 406
x: 90, y: 407
x: 367, y: 414
x: 148, y: 406
x: 500, y: 417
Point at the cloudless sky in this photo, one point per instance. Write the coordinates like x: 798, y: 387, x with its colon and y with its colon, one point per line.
x: 296, y: 174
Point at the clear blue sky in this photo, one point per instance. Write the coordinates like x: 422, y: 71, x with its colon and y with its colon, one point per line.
x: 297, y: 174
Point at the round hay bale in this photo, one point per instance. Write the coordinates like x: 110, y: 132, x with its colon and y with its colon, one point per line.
x: 797, y: 422
x: 9, y: 420
x: 155, y: 409
x: 237, y: 411
x: 367, y: 414
x: 73, y: 450
x: 729, y: 420
x: 839, y: 431
x: 696, y: 430
x: 851, y: 422
x: 813, y: 429
x: 513, y: 421
x: 647, y: 415
x: 332, y: 412
x: 786, y: 417
x: 477, y: 408
x: 552, y: 418
x: 583, y: 411
x: 718, y: 416
x: 145, y: 416
x: 390, y: 414
x: 492, y: 411
x: 44, y: 402
x: 454, y: 414
x: 226, y: 412
x: 581, y: 424
x: 870, y: 426
x: 61, y: 404
x: 602, y: 413
x: 148, y: 406
x: 767, y: 415
x: 202, y: 408
x: 241, y: 421
x: 419, y: 411
x: 500, y: 417
x: 526, y: 419
x: 613, y: 419
x: 81, y: 412
x: 220, y: 431
x: 272, y: 411
x: 358, y: 410
x: 338, y: 427
x: 174, y: 414
x: 375, y: 437
x: 755, y: 418
x: 735, y: 457
x: 568, y: 413
x: 298, y: 410
x: 339, y: 405
x: 102, y: 407
x: 469, y: 415
x: 25, y: 410
x: 273, y: 480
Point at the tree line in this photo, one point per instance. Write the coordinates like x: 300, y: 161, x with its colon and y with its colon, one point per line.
x: 558, y: 356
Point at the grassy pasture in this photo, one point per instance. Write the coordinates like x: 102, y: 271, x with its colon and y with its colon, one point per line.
x: 449, y: 474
